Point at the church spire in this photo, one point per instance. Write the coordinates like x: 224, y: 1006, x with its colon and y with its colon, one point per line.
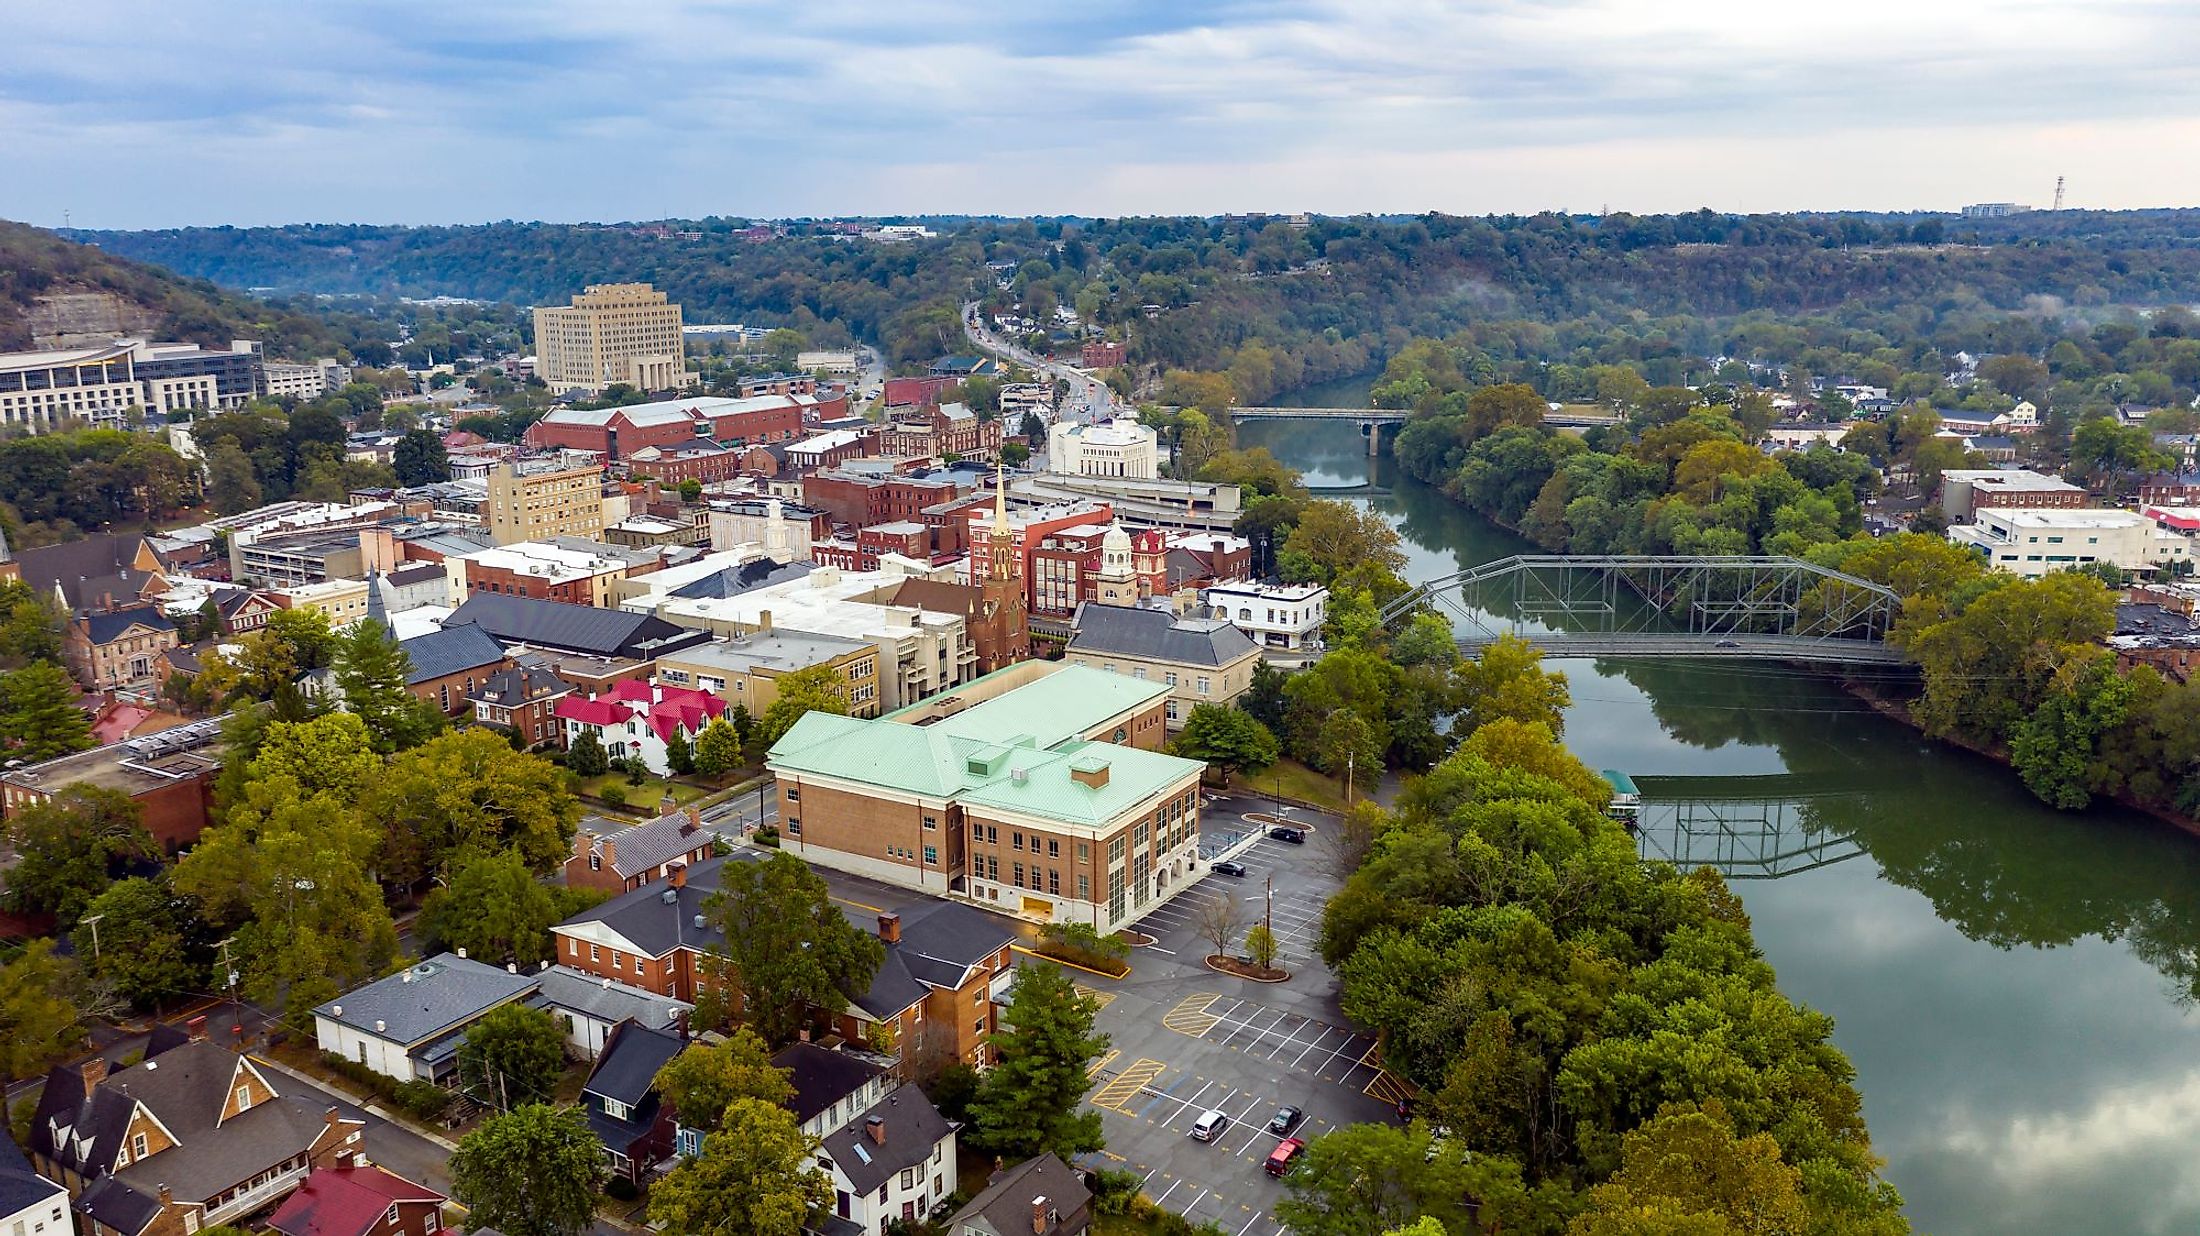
x: 1000, y: 498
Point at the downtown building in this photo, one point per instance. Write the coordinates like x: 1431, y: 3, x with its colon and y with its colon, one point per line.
x: 612, y: 332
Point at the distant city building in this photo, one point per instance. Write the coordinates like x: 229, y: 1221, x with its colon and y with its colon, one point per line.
x: 2037, y: 542
x: 1964, y: 490
x: 168, y: 774
x: 746, y: 669
x: 1995, y: 210
x: 98, y: 386
x: 1121, y: 447
x: 612, y: 332
x: 1200, y: 660
x: 832, y: 364
x: 537, y: 504
x: 284, y: 380
x: 639, y: 719
x: 705, y: 420
x: 1101, y: 355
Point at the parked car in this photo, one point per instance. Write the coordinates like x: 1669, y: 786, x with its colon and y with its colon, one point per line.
x: 1228, y: 868
x: 1286, y: 1119
x: 1728, y: 643
x: 1292, y: 835
x: 1210, y: 1125
x: 1283, y: 1156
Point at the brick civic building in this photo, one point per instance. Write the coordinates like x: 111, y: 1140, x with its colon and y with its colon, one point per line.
x: 863, y: 499
x: 1101, y: 355
x: 617, y: 432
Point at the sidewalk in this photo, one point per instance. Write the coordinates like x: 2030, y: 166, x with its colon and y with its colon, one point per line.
x: 366, y: 1105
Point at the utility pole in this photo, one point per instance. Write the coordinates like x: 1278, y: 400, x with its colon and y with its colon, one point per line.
x: 1268, y: 917
x: 92, y: 921
x: 1348, y: 761
x: 2058, y: 192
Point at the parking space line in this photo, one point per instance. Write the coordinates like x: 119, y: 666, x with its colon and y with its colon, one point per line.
x: 1099, y: 1066
x: 1127, y: 1084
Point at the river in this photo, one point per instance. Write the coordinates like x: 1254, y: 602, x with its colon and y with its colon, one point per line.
x: 2014, y: 984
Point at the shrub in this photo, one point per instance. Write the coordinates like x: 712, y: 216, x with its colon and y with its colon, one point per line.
x: 613, y: 794
x: 1079, y: 944
x: 422, y: 1100
x: 1112, y: 1190
x: 620, y: 1189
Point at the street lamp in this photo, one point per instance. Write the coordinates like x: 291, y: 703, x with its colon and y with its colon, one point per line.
x: 92, y: 921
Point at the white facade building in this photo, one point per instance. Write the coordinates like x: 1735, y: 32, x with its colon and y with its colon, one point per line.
x: 1120, y: 447
x: 831, y: 364
x: 1274, y: 616
x: 2037, y: 542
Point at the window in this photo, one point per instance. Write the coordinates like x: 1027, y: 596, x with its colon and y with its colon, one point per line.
x: 1203, y: 685
x: 977, y: 831
x: 618, y: 960
x: 190, y: 1223
x: 1054, y: 847
x: 138, y: 1148
x: 614, y: 1109
x: 1019, y: 880
x: 595, y: 860
x: 794, y: 826
x: 1084, y: 887
x: 1054, y: 881
x: 931, y: 856
x: 244, y: 1098
x: 931, y: 823
x: 572, y: 948
x: 1169, y: 678
x: 794, y: 793
x: 594, y: 953
x: 909, y: 1178
x: 1016, y: 841
x: 1084, y: 853
x: 390, y: 1215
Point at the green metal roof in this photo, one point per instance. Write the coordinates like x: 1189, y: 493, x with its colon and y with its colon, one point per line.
x: 1050, y: 710
x: 1621, y: 782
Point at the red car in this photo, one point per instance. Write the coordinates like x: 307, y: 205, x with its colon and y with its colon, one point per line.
x: 1284, y: 1155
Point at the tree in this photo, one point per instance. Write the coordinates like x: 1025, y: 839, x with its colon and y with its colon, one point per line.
x: 1228, y: 739
x: 1685, y: 1171
x: 232, y: 485
x: 819, y: 688
x: 468, y: 791
x: 1368, y: 1177
x: 1336, y: 537
x: 1507, y: 680
x: 691, y: 490
x: 699, y: 1083
x: 1349, y: 747
x: 754, y: 1178
x: 1015, y: 454
x: 679, y: 756
x: 420, y: 458
x: 787, y: 946
x: 2055, y: 748
x: 371, y: 671
x: 586, y: 755
x: 39, y: 1020
x: 495, y: 909
x: 30, y: 626
x: 1219, y: 920
x: 145, y: 947
x: 717, y: 749
x: 1260, y: 945
x: 38, y: 713
x: 1027, y: 1103
x: 68, y: 846
x: 531, y: 1171
x: 512, y: 1056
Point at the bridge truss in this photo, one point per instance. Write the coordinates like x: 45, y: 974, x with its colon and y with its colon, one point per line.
x: 1650, y: 605
x: 1741, y: 840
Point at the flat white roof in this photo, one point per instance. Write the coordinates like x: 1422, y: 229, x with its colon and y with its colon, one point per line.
x: 534, y: 558
x: 2028, y: 517
x: 2007, y: 478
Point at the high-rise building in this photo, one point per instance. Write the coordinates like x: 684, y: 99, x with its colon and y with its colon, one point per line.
x: 536, y: 506
x: 613, y: 332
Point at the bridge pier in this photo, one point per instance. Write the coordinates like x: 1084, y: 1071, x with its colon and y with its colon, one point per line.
x: 1374, y: 434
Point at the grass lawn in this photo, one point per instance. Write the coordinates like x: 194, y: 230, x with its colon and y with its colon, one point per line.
x: 1295, y: 780
x: 642, y: 799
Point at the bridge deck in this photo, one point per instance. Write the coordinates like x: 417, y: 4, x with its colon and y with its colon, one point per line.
x: 1678, y: 644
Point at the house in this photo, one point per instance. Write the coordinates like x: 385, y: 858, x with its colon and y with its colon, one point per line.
x: 1283, y: 616
x: 616, y: 859
x: 1201, y: 660
x: 624, y: 1111
x: 117, y: 649
x: 524, y: 700
x: 830, y: 1086
x: 359, y: 1199
x: 96, y: 572
x: 408, y: 1025
x: 1037, y: 1197
x: 449, y: 665
x: 29, y: 1203
x: 943, y: 962
x: 244, y: 609
x: 192, y: 1136
x: 639, y: 719
x: 895, y: 1160
x: 590, y: 1008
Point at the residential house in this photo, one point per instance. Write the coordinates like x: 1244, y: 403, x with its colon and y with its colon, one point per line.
x: 561, y: 627
x: 1277, y: 616
x: 408, y: 1026
x: 620, y: 1097
x: 30, y: 1204
x: 590, y: 1008
x: 639, y: 719
x: 243, y: 610
x: 524, y: 700
x: 1201, y: 660
x: 191, y: 1136
x: 616, y: 859
x: 359, y: 1199
x: 1037, y: 1197
x: 894, y: 1161
x: 831, y: 1086
x: 117, y: 650
x: 450, y: 665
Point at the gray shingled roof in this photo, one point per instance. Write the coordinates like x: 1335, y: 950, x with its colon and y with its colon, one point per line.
x: 640, y: 847
x: 452, y: 650
x: 913, y: 1127
x: 571, y: 628
x: 441, y: 994
x: 20, y: 1187
x: 1156, y: 635
x: 821, y: 1077
x: 104, y: 628
x: 1003, y: 1207
x: 561, y: 987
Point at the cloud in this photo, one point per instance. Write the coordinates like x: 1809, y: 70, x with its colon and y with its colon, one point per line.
x: 258, y: 111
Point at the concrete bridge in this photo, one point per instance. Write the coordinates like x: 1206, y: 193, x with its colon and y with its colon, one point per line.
x: 1372, y: 420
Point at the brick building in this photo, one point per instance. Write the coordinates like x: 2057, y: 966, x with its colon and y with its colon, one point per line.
x: 449, y: 665
x: 616, y: 432
x: 915, y: 392
x: 705, y: 464
x: 117, y: 650
x: 615, y: 859
x: 169, y: 775
x: 940, y: 431
x: 863, y: 499
x: 1101, y: 355
x: 1096, y: 562
x: 523, y: 699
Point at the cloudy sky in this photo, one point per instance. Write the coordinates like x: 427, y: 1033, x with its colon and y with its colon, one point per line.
x: 130, y: 113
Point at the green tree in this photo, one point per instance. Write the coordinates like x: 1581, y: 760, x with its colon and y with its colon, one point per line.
x: 586, y: 756
x: 531, y: 1171
x: 1337, y: 537
x: 679, y: 756
x: 788, y: 947
x: 467, y: 791
x: 512, y: 1056
x: 144, y: 943
x: 717, y: 749
x: 38, y: 713
x: 1506, y: 680
x: 1686, y: 1171
x: 420, y: 458
x: 495, y: 909
x: 1015, y: 454
x: 1260, y: 945
x: 69, y: 845
x: 371, y: 671
x: 701, y: 1082
x: 1028, y: 1102
x: 30, y: 627
x: 819, y: 688
x: 232, y: 485
x: 1228, y: 739
x: 1367, y: 1177
x: 754, y: 1178
x: 39, y: 1020
x: 2056, y: 748
x: 691, y: 490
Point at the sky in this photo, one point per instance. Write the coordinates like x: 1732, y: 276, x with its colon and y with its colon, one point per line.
x: 135, y: 114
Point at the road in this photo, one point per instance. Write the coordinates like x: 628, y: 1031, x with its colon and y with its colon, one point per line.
x: 1089, y: 398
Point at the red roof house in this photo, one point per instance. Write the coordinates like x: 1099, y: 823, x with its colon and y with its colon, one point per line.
x: 639, y: 718
x: 359, y: 1201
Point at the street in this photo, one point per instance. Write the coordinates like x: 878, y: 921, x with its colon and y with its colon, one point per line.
x: 1089, y: 398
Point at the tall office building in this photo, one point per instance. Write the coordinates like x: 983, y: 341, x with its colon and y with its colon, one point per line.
x: 540, y: 504
x: 613, y: 332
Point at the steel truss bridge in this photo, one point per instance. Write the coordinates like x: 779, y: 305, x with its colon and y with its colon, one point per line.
x: 1642, y: 605
x: 1745, y: 828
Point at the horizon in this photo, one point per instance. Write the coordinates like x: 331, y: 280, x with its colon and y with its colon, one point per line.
x: 433, y: 116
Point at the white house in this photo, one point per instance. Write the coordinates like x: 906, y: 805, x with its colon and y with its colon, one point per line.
x: 590, y: 1007
x: 30, y: 1204
x: 893, y: 1160
x: 408, y: 1025
x: 639, y: 719
x: 1287, y: 616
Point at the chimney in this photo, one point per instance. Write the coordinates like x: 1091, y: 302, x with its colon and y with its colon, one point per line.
x: 332, y: 1117
x: 874, y: 1127
x: 610, y: 853
x: 763, y: 622
x: 167, y: 1196
x: 1039, y: 1215
x: 695, y: 820
x: 95, y: 1072
x: 666, y: 804
x: 889, y: 927
x: 196, y: 1028
x: 677, y: 874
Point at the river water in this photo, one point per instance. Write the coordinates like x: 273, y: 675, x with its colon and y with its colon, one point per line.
x: 2014, y: 984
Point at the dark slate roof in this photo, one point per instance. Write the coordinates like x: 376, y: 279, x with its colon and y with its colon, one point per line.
x: 939, y: 943
x: 640, y: 847
x: 443, y: 993
x: 572, y: 628
x: 1156, y: 635
x: 733, y: 581
x: 93, y: 558
x: 453, y: 650
x: 632, y: 1056
x: 117, y: 1205
x: 1003, y: 1207
x: 520, y: 684
x: 105, y: 628
x: 656, y: 927
x: 89, y: 1129
x: 417, y: 573
x: 20, y: 1187
x: 821, y: 1077
x: 941, y: 597
x: 913, y: 1127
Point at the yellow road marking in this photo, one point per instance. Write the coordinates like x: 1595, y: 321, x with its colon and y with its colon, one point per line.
x: 1387, y: 1088
x: 1126, y: 1085
x: 1100, y: 999
x: 1191, y: 1017
x: 861, y: 905
x: 1099, y: 1066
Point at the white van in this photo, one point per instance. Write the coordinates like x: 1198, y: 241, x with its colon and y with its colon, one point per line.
x: 1209, y: 1125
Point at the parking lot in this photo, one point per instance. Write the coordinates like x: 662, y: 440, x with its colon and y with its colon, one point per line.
x: 1186, y: 1039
